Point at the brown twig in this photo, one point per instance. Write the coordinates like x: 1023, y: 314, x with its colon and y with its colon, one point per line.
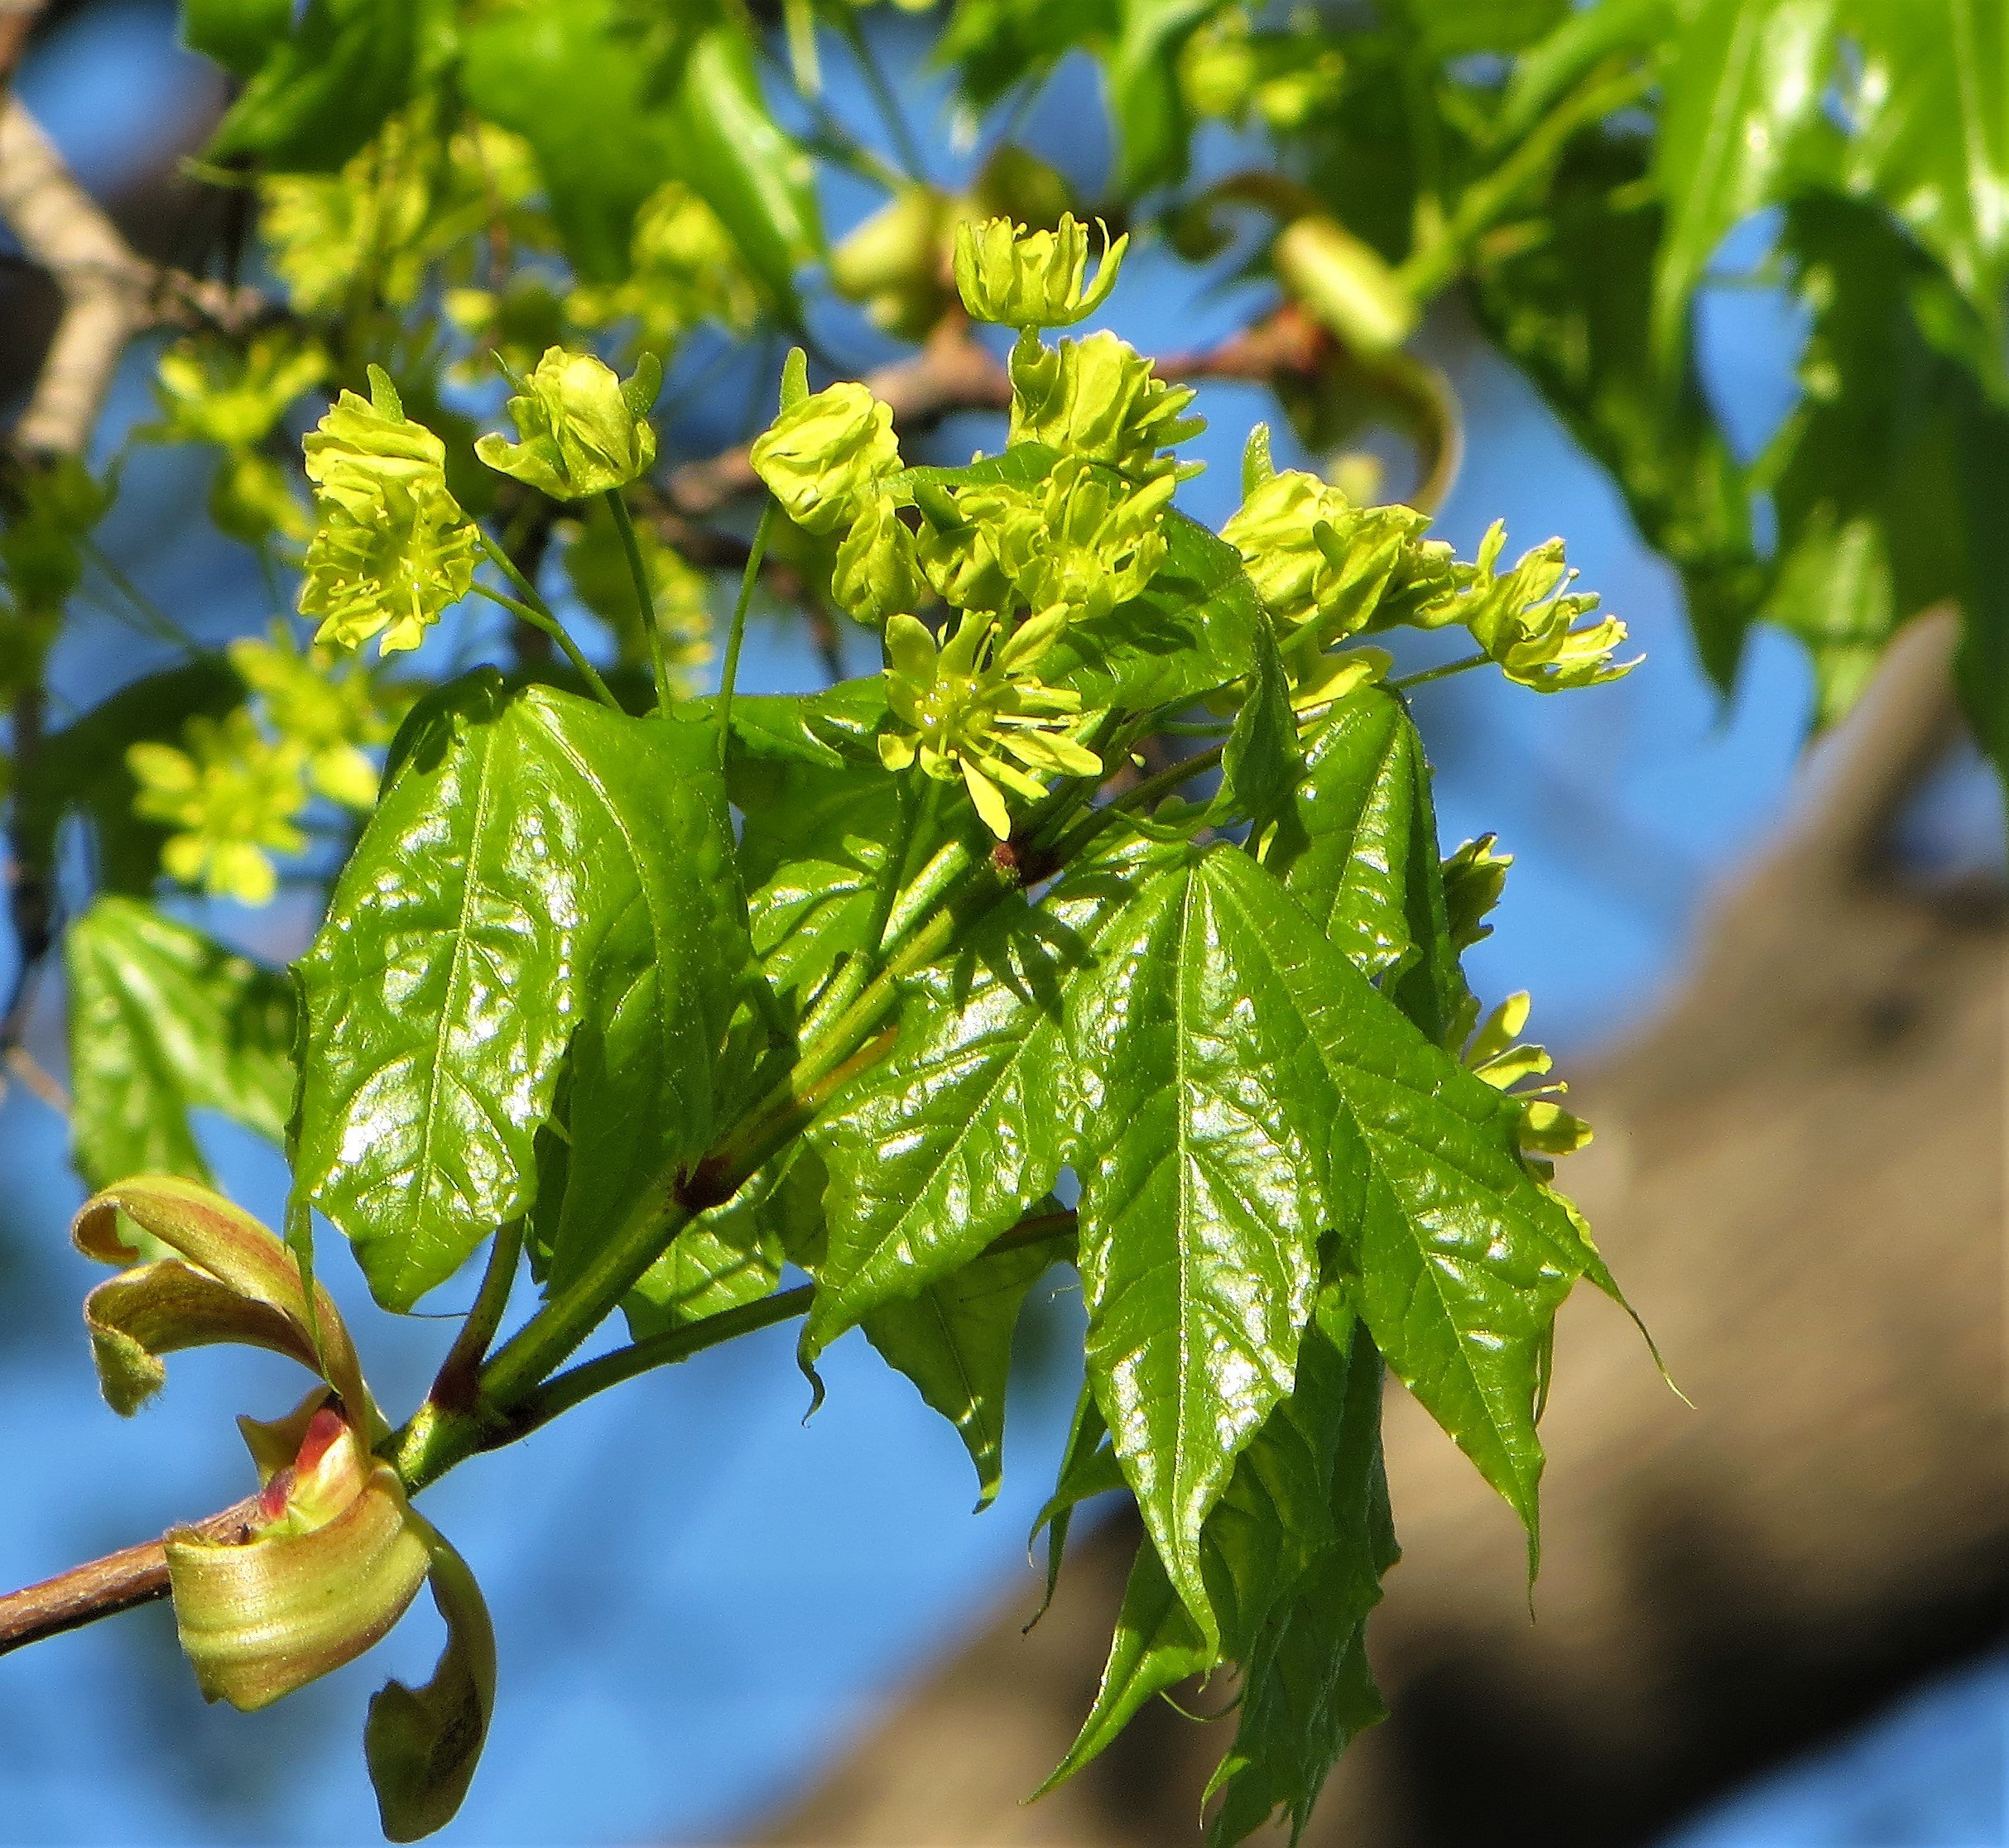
x: 110, y: 293
x: 103, y: 1587
x: 17, y: 20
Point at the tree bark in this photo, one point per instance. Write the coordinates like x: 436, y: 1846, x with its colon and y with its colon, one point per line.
x: 1798, y: 1179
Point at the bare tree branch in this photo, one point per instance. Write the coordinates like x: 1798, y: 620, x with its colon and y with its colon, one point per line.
x: 17, y: 19
x: 103, y: 1587
x: 110, y: 293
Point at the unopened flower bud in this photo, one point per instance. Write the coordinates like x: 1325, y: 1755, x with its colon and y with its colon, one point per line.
x: 1035, y: 279
x: 877, y: 572
x: 582, y: 429
x: 823, y: 456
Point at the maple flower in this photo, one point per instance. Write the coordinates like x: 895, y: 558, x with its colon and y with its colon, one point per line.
x: 823, y: 457
x: 1097, y: 398
x: 1525, y: 619
x: 327, y: 709
x: 232, y: 797
x: 1316, y: 558
x: 1087, y: 538
x: 974, y: 708
x: 209, y: 392
x: 1546, y: 1128
x: 1035, y: 279
x: 392, y: 548
x: 582, y: 429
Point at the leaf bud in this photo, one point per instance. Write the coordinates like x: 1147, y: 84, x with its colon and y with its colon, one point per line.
x: 217, y: 1276
x: 823, y: 456
x: 1034, y: 279
x: 877, y: 571
x: 1346, y: 283
x: 892, y: 262
x: 1473, y: 879
x: 331, y: 1561
x: 583, y: 430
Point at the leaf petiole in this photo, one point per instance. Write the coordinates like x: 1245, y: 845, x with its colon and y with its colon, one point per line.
x: 566, y: 1389
x: 737, y: 634
x: 624, y: 524
x: 531, y: 609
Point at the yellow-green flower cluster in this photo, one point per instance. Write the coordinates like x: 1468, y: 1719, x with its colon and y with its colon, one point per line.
x: 232, y: 797
x: 212, y: 392
x: 975, y: 708
x: 1036, y: 279
x: 1546, y: 1128
x: 583, y: 430
x: 1526, y: 619
x: 1085, y: 538
x: 826, y: 458
x: 892, y: 263
x: 392, y: 548
x: 1321, y: 563
x: 1097, y: 399
x: 400, y: 205
x: 1285, y: 78
x: 830, y: 460
x: 327, y: 707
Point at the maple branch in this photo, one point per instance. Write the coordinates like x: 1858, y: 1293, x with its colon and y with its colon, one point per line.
x: 120, y: 1581
x: 17, y: 19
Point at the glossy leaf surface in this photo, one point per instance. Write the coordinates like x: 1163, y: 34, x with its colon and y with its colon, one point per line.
x: 526, y: 845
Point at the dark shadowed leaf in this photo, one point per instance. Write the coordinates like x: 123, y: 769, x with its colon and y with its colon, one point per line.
x: 322, y: 92
x: 954, y: 1341
x: 165, y: 1020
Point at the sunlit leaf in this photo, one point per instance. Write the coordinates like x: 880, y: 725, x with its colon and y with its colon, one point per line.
x: 532, y: 844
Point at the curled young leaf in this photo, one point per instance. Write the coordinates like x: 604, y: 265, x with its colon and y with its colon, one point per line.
x: 229, y: 1280
x: 423, y: 1744
x: 330, y: 1562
